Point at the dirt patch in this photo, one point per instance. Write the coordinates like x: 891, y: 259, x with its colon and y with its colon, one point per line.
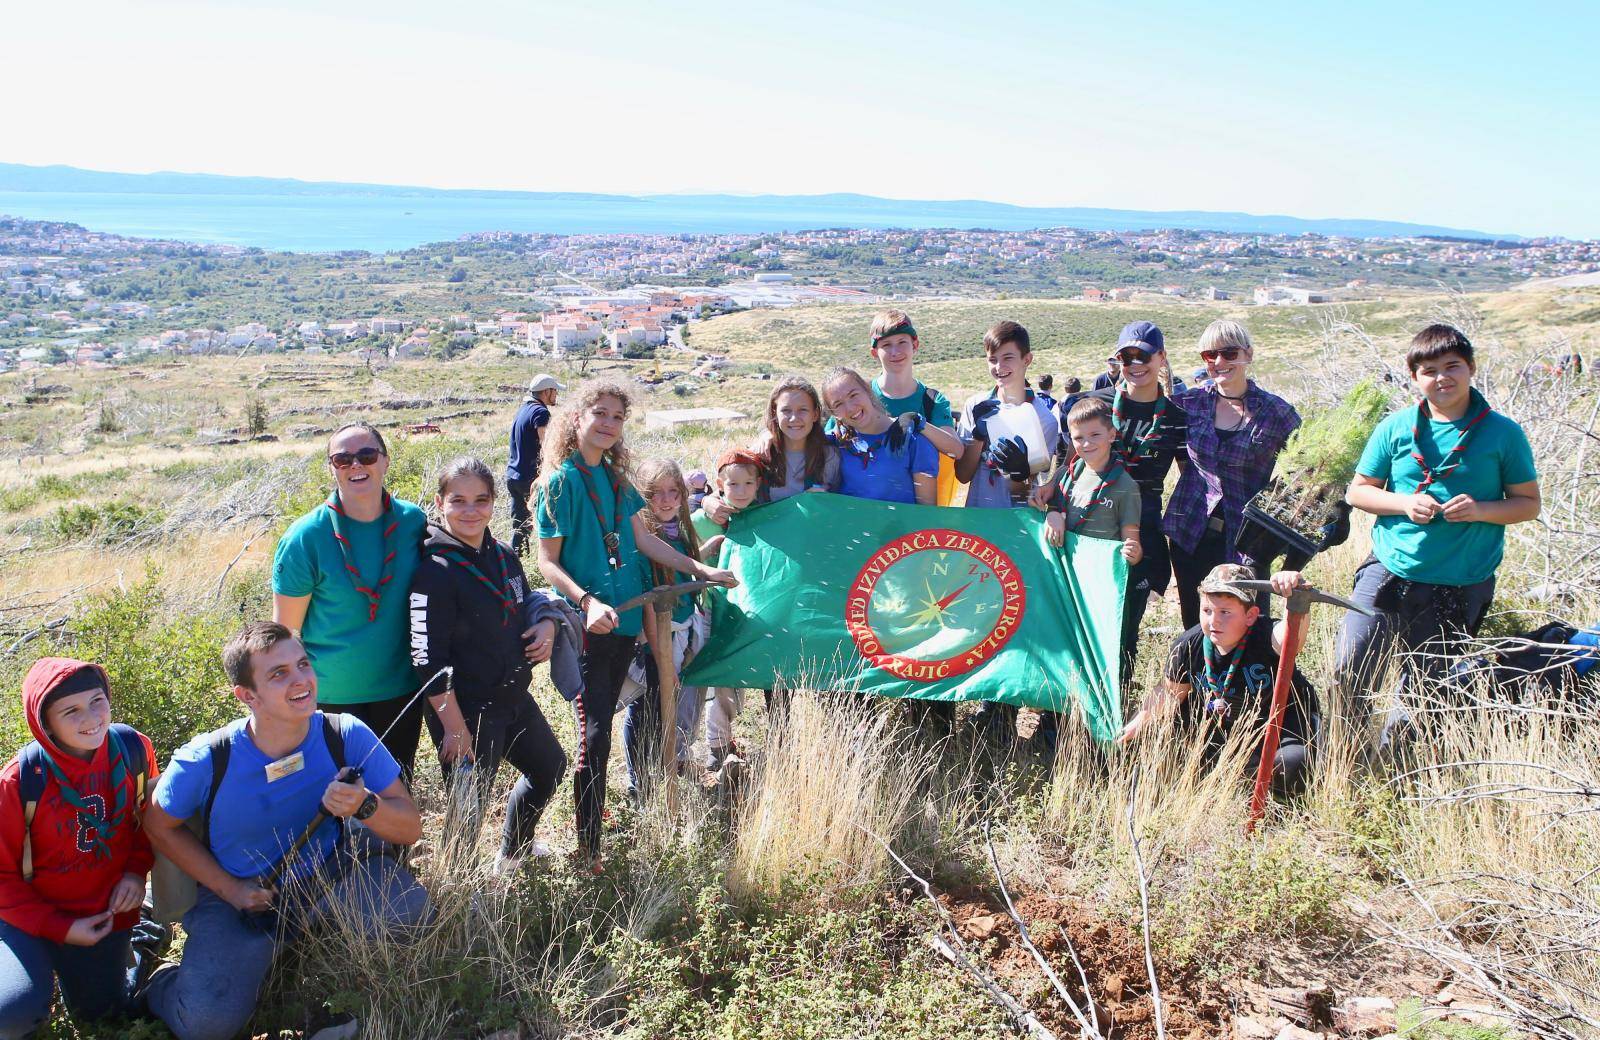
x: 1112, y: 956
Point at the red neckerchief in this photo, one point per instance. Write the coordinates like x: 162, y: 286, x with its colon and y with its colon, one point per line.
x: 375, y: 594
x: 508, y: 602
x: 1452, y: 458
x: 1106, y: 480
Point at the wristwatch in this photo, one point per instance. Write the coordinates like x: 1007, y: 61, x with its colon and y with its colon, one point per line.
x: 369, y: 805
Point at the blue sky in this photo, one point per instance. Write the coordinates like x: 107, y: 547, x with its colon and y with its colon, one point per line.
x: 1466, y: 114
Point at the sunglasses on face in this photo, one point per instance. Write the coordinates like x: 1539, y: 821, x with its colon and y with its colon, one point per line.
x: 345, y: 459
x: 1226, y: 354
x: 1133, y: 356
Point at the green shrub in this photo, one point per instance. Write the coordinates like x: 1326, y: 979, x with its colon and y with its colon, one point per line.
x: 1277, y: 884
x: 54, y: 486
x: 165, y: 664
x: 107, y: 521
x: 798, y: 971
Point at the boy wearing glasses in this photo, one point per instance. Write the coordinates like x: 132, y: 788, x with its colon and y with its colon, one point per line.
x: 340, y: 577
x: 1444, y: 478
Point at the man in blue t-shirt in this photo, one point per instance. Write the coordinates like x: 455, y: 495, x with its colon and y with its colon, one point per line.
x: 256, y: 891
x: 527, y: 438
x: 1443, y: 478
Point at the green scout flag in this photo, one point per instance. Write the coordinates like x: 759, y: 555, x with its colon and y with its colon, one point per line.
x: 918, y: 601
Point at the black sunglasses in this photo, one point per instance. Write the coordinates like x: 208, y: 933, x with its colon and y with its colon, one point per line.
x: 345, y: 459
x: 1134, y: 356
x: 1226, y: 354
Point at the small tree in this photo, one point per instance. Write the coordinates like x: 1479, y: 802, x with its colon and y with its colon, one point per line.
x: 107, y: 422
x: 1319, y: 460
x: 256, y: 415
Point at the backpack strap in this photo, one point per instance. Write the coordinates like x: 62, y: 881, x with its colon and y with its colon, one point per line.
x: 333, y: 726
x: 219, y: 745
x: 928, y: 404
x: 31, y: 779
x: 131, y: 745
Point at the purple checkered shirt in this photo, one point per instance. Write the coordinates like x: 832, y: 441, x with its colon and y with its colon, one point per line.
x: 1224, y: 471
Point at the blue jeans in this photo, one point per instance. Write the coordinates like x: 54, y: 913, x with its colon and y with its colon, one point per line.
x: 95, y: 980
x: 213, y: 993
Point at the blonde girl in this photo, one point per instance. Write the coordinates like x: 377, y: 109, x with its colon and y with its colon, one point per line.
x: 666, y: 516
x: 591, y: 540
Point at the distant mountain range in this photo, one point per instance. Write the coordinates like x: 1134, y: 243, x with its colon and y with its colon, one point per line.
x: 725, y: 212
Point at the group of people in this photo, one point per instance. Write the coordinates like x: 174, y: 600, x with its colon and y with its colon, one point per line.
x: 387, y: 618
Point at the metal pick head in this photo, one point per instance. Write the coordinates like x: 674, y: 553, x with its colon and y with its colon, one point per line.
x: 1299, y: 602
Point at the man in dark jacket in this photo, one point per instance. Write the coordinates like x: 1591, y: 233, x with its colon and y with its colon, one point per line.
x: 527, y: 435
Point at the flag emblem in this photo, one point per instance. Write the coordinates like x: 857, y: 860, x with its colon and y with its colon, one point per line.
x: 931, y: 604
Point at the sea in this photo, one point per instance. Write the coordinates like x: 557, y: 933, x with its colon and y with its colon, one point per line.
x: 328, y: 223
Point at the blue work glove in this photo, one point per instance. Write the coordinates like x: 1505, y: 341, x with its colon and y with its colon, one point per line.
x: 1010, y: 456
x: 982, y: 412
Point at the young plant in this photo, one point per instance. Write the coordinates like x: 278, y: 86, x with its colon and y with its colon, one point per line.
x: 1320, y: 459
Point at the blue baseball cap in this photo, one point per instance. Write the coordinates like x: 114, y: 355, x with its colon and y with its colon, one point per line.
x: 1142, y: 334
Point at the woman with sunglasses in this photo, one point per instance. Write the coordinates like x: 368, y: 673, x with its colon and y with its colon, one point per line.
x: 1151, y: 434
x: 340, y: 577
x: 1235, y: 430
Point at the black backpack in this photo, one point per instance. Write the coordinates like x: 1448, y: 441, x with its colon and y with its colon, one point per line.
x: 1542, y: 662
x: 33, y: 775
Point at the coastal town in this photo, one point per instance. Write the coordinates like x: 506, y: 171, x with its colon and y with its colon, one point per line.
x: 74, y: 296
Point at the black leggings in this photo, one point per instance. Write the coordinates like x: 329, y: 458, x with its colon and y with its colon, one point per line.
x: 605, y: 666
x: 1190, y: 569
x: 510, y: 728
x: 1152, y: 574
x: 398, y: 722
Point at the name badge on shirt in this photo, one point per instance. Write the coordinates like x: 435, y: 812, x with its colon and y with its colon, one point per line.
x: 286, y: 766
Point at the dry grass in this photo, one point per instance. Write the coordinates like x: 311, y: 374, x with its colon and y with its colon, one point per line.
x: 1494, y: 832
x: 841, y: 775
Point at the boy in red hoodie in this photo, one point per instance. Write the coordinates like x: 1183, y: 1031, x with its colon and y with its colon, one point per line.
x: 73, y: 854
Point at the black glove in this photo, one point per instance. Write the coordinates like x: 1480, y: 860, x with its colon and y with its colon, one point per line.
x: 903, y: 428
x: 1010, y: 456
x: 982, y: 412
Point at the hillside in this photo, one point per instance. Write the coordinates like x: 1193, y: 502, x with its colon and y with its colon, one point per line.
x: 141, y: 503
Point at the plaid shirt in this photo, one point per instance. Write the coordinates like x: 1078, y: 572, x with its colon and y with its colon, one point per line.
x: 1225, y: 471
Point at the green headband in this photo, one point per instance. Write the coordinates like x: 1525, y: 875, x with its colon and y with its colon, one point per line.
x: 904, y: 327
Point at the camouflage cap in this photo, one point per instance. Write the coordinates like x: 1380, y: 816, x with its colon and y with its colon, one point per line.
x: 1222, y: 580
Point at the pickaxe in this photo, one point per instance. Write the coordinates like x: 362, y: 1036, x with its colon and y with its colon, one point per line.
x: 1294, y: 637
x: 663, y: 598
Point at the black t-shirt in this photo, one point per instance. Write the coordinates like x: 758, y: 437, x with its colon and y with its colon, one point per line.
x: 1249, y: 694
x: 1159, y: 453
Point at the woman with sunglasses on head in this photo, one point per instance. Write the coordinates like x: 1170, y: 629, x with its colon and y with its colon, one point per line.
x: 1235, y: 430
x: 1151, y: 435
x: 340, y: 577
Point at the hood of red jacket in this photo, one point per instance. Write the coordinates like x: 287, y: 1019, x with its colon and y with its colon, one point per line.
x: 45, y: 675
